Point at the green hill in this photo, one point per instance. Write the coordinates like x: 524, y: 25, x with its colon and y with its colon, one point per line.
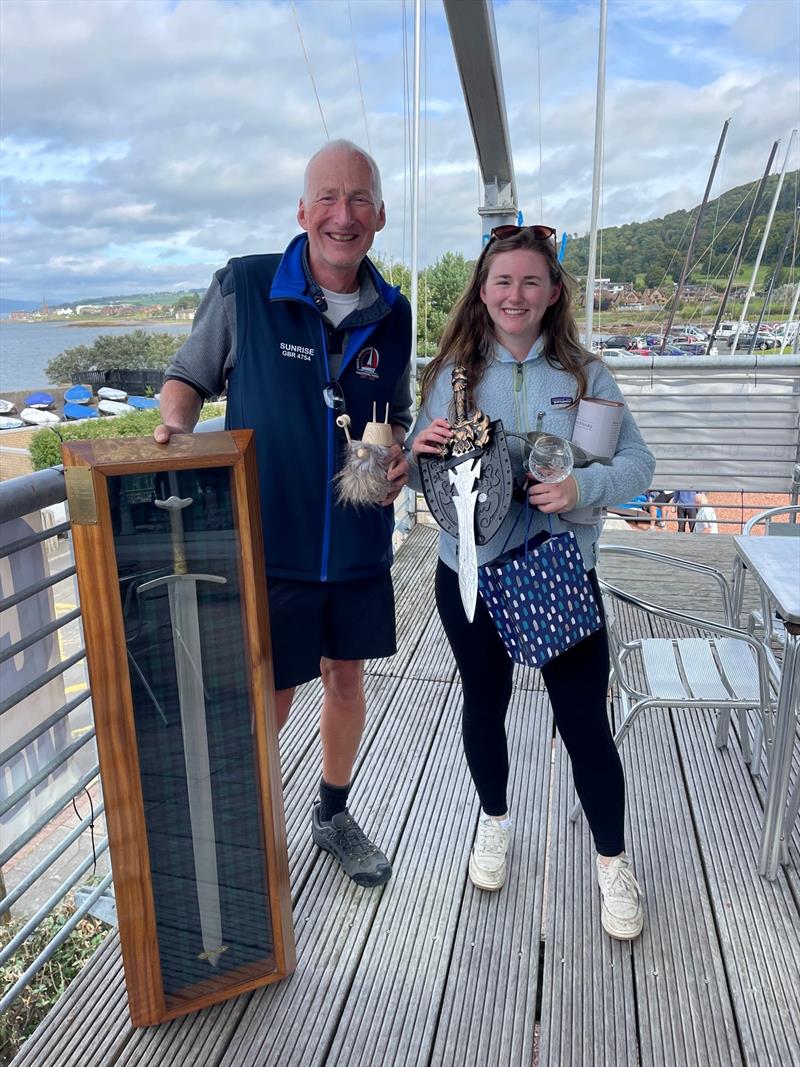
x: 654, y: 251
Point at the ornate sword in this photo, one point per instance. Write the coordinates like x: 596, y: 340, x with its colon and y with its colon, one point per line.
x: 464, y: 478
x: 470, y: 436
x: 182, y: 591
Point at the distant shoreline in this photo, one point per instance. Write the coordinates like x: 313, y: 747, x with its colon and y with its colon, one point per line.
x: 102, y: 322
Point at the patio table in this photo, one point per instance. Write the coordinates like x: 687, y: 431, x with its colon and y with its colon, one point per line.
x: 774, y: 562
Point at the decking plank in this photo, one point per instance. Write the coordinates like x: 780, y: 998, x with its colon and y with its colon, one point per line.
x: 334, y: 917
x: 488, y: 1006
x: 588, y: 1003
x: 757, y: 919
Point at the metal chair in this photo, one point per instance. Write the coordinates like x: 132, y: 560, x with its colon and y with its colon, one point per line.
x: 723, y: 668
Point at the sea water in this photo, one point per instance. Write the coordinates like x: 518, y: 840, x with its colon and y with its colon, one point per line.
x: 27, y: 347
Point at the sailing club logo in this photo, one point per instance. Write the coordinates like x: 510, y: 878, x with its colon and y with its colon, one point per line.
x: 367, y: 362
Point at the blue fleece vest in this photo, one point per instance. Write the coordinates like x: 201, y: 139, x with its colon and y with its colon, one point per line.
x: 276, y: 388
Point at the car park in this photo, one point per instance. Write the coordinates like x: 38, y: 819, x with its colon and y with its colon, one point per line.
x: 696, y: 348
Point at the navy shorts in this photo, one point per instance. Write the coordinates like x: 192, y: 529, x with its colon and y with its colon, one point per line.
x: 339, y: 620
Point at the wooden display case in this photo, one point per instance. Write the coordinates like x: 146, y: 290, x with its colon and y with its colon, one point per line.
x: 170, y: 563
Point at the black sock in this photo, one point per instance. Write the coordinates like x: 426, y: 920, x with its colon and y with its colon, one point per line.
x: 333, y: 799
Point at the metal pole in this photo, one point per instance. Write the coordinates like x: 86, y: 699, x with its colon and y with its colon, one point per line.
x: 790, y: 320
x: 742, y: 243
x: 695, y: 231
x: 598, y: 166
x: 771, y: 286
x: 752, y: 285
x: 415, y: 205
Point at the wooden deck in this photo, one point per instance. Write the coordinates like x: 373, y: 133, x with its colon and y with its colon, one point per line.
x: 429, y: 971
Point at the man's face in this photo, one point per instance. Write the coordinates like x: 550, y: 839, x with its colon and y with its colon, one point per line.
x: 341, y: 217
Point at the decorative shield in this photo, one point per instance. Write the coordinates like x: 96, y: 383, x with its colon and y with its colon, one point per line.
x: 495, y: 486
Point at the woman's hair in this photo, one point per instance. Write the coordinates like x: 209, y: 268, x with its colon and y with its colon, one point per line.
x: 469, y: 336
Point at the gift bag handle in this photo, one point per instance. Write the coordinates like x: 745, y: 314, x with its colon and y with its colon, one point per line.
x: 528, y: 517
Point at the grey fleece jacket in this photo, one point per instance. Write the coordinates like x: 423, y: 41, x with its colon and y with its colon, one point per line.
x: 517, y: 393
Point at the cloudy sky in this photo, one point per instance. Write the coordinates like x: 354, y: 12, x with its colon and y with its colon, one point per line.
x: 146, y: 141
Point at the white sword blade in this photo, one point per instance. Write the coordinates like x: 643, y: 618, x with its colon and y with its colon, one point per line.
x: 464, y: 477
x: 191, y: 695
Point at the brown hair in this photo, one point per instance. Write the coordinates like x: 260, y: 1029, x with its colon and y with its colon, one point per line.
x: 469, y: 334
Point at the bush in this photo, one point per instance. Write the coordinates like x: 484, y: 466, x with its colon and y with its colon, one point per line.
x: 30, y: 1007
x: 45, y: 446
x: 137, y: 350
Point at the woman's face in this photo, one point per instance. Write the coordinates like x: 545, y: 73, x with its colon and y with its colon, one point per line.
x: 517, y: 293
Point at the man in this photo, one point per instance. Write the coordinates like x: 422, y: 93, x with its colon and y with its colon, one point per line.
x: 685, y: 501
x: 297, y: 340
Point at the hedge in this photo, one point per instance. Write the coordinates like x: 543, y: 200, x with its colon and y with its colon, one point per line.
x: 45, y: 446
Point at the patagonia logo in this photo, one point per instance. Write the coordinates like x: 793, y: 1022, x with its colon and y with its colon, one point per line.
x: 561, y: 401
x: 367, y: 362
x: 296, y: 351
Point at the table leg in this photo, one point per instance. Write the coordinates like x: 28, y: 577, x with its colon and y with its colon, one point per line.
x: 780, y: 761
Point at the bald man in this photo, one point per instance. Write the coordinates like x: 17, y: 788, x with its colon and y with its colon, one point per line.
x: 295, y: 340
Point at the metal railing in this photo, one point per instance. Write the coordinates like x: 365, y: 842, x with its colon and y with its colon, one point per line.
x: 21, y: 497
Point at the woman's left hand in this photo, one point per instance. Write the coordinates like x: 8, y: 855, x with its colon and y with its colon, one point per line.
x: 552, y: 497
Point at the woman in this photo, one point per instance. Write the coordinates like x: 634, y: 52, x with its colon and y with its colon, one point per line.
x: 514, y: 335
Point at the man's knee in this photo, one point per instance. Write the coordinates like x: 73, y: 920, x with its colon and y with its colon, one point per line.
x: 343, y: 679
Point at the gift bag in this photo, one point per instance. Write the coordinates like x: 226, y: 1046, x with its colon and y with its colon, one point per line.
x: 540, y: 598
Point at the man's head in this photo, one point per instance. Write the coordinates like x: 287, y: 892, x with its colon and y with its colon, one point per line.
x: 341, y: 210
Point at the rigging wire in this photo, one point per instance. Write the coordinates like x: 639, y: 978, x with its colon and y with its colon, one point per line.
x: 358, y: 76
x: 310, y: 72
x: 406, y: 133
x: 539, y: 79
x: 425, y: 168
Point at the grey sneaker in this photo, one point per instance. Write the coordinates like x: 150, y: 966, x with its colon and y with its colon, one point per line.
x: 621, y: 914
x: 347, y: 843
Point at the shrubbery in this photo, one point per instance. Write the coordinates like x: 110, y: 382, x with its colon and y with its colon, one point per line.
x: 45, y: 446
x: 135, y: 351
x: 30, y: 1007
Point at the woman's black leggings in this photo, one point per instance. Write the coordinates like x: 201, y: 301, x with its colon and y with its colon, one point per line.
x: 576, y: 681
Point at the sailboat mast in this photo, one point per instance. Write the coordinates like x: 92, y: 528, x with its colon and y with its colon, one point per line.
x: 737, y: 259
x: 695, y: 231
x: 762, y: 246
x: 768, y: 295
x: 598, y: 166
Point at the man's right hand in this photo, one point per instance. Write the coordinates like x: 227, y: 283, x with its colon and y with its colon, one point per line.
x: 180, y: 409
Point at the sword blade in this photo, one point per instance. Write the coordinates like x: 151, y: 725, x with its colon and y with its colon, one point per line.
x: 464, y: 477
x: 191, y: 697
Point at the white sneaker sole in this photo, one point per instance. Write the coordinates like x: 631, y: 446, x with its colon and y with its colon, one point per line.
x: 481, y: 880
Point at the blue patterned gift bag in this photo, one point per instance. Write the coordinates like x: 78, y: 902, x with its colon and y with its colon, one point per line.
x: 540, y: 598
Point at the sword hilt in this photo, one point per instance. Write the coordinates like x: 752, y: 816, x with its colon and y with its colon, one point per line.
x: 175, y: 505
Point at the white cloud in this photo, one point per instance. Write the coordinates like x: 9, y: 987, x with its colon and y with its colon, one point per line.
x: 145, y: 143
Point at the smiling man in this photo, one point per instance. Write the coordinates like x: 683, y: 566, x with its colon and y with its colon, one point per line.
x: 295, y: 340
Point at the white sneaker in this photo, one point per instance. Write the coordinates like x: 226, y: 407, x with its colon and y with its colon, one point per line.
x: 622, y: 914
x: 487, y: 861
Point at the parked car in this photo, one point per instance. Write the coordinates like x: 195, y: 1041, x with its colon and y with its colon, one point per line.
x: 617, y: 340
x: 696, y: 348
x: 692, y: 332
x: 763, y: 341
x: 669, y: 350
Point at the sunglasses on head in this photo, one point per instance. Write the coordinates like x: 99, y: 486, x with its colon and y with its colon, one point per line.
x: 539, y: 233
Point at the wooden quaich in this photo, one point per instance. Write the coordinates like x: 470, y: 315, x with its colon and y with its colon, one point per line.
x: 170, y: 565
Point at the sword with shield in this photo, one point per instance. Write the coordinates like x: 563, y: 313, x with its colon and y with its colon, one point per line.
x: 182, y: 592
x: 468, y: 487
